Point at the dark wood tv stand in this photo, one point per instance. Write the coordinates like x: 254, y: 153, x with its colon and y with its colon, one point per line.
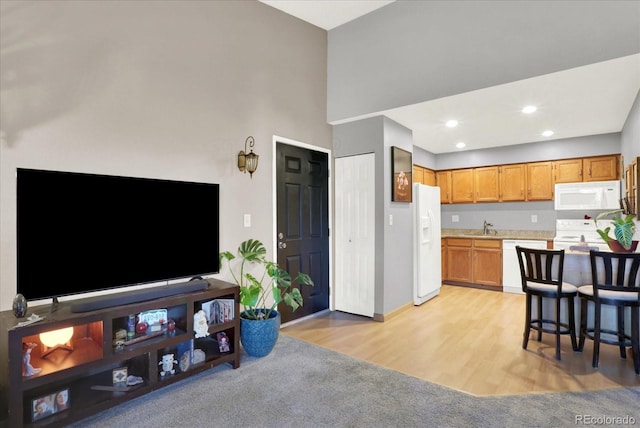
x: 87, y: 371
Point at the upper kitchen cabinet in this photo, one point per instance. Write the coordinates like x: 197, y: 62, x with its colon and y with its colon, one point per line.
x: 567, y: 171
x: 598, y: 168
x: 424, y: 175
x: 486, y: 184
x: 462, y: 186
x: 601, y: 168
x: 418, y: 174
x: 513, y: 182
x: 429, y: 177
x: 632, y: 188
x: 539, y: 181
x: 443, y: 180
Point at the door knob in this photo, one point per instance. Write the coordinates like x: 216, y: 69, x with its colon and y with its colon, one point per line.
x: 282, y: 245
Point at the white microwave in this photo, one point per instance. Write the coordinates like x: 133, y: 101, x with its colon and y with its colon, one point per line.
x: 594, y: 195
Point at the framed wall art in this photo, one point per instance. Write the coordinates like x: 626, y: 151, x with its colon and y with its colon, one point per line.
x: 401, y: 174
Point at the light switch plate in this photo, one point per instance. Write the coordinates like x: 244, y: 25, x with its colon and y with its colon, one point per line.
x: 534, y: 218
x: 247, y: 220
x: 455, y: 218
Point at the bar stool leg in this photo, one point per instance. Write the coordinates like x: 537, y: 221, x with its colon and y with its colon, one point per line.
x: 527, y: 323
x: 558, y: 299
x: 621, y: 338
x: 635, y: 337
x: 584, y: 303
x: 596, y: 336
x: 572, y: 323
x: 540, y: 317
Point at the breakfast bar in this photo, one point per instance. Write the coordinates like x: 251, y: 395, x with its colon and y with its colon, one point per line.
x: 577, y: 271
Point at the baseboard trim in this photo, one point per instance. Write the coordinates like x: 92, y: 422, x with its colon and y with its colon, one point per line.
x: 393, y: 313
x: 305, y: 318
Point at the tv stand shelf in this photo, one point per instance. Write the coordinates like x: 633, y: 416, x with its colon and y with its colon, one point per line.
x: 85, y: 366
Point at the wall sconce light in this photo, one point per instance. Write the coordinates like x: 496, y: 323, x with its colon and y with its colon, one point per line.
x: 248, y: 162
x: 56, y: 339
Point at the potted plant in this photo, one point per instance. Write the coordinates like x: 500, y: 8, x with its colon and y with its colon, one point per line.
x: 624, y: 228
x: 260, y: 320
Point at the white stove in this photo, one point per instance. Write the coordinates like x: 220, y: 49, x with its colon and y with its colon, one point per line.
x: 578, y: 235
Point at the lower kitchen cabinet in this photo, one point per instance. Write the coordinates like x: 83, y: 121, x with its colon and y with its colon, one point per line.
x: 459, y: 256
x: 487, y: 262
x: 443, y: 259
x: 474, y: 261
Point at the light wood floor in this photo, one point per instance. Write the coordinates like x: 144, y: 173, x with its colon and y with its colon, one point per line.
x: 469, y: 340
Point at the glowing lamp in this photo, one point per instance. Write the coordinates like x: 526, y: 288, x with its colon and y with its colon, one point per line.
x: 56, y: 339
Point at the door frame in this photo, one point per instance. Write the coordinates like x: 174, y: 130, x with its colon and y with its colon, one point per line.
x: 283, y: 140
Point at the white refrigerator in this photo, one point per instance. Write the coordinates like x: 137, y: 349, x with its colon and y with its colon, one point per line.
x: 427, y: 256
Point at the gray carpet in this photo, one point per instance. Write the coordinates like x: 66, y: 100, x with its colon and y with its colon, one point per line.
x: 302, y: 385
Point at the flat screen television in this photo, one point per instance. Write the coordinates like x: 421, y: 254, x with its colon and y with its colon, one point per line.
x: 78, y: 233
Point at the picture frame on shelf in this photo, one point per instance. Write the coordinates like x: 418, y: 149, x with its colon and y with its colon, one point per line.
x: 48, y: 405
x: 219, y: 311
x: 401, y: 175
x: 119, y: 375
x: 223, y: 342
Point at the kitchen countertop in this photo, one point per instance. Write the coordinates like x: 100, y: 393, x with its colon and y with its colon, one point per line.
x: 544, y: 235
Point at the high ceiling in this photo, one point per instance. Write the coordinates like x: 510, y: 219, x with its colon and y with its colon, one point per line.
x: 589, y: 100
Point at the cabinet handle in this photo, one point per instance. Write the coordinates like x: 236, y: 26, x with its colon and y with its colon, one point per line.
x: 581, y: 173
x: 589, y: 172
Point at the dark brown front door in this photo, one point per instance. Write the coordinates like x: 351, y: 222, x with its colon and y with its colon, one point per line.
x: 303, y: 223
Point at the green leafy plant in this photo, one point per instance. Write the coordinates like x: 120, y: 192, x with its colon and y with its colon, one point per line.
x: 274, y: 281
x: 624, y: 228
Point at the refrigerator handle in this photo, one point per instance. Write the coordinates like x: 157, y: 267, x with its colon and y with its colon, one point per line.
x: 426, y: 231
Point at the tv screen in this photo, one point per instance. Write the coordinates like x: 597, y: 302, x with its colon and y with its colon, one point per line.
x: 78, y: 233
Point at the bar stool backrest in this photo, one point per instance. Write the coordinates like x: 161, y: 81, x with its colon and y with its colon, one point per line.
x: 540, y: 266
x: 615, y: 272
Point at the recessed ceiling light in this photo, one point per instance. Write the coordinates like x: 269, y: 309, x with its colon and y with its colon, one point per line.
x: 547, y: 133
x: 529, y: 109
x: 460, y: 145
x: 452, y: 123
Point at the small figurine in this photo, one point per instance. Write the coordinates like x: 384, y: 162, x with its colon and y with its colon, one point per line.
x: 27, y: 368
x: 200, y: 324
x: 167, y: 364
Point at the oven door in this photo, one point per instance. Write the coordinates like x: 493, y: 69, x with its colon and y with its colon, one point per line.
x: 580, y: 246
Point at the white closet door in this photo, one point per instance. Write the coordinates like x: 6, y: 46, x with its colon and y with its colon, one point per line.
x: 355, y: 234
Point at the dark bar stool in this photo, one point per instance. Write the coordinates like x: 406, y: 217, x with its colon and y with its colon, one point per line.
x: 541, y: 272
x: 616, y: 282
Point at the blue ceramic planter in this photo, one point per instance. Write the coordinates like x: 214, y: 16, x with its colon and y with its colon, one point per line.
x: 258, y: 337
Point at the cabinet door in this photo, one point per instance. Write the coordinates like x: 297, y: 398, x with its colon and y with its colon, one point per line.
x: 601, y: 168
x: 459, y: 259
x: 429, y: 177
x: 462, y: 185
x: 443, y: 180
x: 418, y: 174
x: 487, y: 262
x: 486, y: 184
x: 567, y: 171
x: 443, y: 258
x: 539, y: 183
x: 513, y: 182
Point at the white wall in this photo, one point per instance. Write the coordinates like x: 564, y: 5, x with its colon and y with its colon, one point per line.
x: 394, y: 245
x: 156, y: 89
x: 424, y: 50
x: 630, y: 136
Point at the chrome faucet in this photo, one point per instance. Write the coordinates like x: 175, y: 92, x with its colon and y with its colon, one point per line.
x: 486, y: 227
